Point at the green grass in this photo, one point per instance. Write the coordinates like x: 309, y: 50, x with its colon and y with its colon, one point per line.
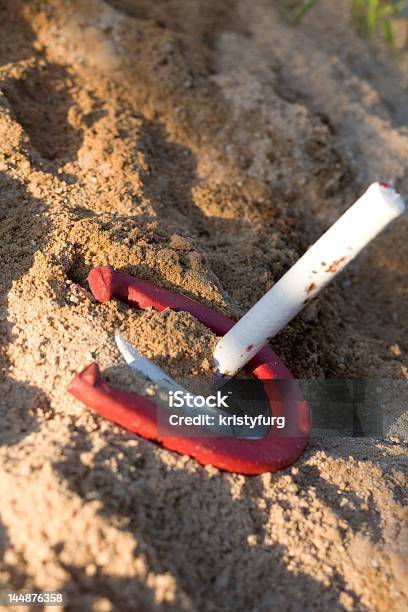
x: 374, y: 18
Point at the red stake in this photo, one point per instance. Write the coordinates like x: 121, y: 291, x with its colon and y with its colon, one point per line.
x: 139, y: 414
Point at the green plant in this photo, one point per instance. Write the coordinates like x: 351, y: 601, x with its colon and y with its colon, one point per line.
x: 303, y: 11
x: 374, y: 17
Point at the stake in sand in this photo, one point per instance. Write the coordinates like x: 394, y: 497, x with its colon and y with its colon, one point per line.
x: 151, y: 372
x: 379, y: 205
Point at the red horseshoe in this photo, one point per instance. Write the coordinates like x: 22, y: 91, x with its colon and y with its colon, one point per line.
x: 139, y: 414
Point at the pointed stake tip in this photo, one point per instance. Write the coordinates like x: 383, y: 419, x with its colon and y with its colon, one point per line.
x: 125, y: 348
x: 118, y: 337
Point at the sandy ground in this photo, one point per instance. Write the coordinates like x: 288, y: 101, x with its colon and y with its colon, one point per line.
x: 203, y: 145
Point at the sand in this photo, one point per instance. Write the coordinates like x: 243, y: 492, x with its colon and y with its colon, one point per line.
x: 201, y: 145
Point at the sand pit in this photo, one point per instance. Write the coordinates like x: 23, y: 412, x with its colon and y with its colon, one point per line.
x: 202, y: 145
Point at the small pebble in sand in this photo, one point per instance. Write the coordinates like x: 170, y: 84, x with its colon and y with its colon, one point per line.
x: 395, y: 350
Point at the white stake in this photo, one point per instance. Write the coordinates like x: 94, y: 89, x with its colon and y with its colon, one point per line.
x: 314, y: 270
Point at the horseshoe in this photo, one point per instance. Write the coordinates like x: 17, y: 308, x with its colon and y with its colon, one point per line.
x: 139, y: 415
